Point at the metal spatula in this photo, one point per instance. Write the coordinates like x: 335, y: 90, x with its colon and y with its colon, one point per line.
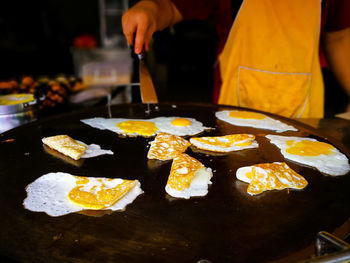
x: 148, y: 93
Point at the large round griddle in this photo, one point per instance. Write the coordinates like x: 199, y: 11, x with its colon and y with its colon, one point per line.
x: 227, y: 225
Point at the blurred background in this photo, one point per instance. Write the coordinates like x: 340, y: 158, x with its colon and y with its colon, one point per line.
x: 84, y: 39
x: 73, y: 54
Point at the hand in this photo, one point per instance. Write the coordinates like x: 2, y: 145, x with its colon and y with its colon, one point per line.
x: 140, y: 19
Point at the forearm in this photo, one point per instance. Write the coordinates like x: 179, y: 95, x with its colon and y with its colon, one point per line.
x: 337, y: 47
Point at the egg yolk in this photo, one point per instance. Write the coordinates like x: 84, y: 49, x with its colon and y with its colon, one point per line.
x: 244, y: 144
x: 167, y: 146
x: 308, y: 148
x: 228, y: 140
x: 98, y: 195
x: 66, y: 145
x: 246, y: 115
x: 144, y: 128
x: 271, y: 176
x: 181, y: 122
x: 182, y: 171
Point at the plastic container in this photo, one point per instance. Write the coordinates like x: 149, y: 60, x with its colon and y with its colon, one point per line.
x: 105, y: 70
x: 101, y: 67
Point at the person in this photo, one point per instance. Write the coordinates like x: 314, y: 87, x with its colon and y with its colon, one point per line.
x: 268, y: 51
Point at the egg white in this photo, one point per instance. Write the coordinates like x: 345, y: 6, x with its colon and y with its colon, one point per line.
x: 335, y: 163
x: 165, y: 146
x: 266, y: 123
x: 198, y: 186
x: 287, y: 178
x: 242, y: 172
x: 93, y: 150
x: 164, y: 125
x: 111, y: 124
x: 220, y: 148
x: 49, y: 194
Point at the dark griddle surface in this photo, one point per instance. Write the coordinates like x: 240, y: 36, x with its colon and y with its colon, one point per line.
x: 227, y: 225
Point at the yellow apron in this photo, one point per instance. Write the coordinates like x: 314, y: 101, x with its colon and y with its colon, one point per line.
x: 270, y: 61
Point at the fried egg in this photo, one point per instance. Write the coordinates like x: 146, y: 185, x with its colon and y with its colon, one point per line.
x: 59, y: 194
x: 127, y: 127
x: 72, y: 148
x: 181, y: 126
x: 166, y: 146
x: 253, y: 119
x: 63, y: 157
x: 323, y: 156
x: 227, y: 143
x: 270, y: 176
x: 188, y: 177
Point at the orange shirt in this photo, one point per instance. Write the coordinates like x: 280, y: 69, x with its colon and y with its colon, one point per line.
x: 334, y: 17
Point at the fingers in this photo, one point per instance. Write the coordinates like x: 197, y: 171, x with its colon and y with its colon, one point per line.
x: 143, y: 24
x: 148, y: 37
x: 140, y: 38
x: 130, y: 38
x: 143, y: 37
x: 129, y: 27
